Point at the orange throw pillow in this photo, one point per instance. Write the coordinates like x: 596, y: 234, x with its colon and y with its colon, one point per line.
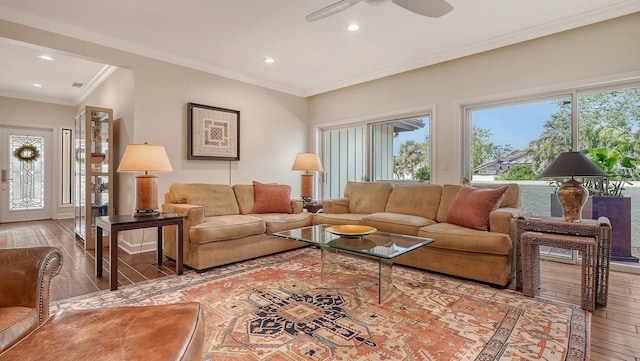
x: 271, y: 198
x: 471, y: 206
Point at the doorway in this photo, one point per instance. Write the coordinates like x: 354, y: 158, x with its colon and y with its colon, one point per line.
x: 26, y: 161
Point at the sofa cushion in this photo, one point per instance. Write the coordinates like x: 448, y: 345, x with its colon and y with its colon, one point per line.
x: 222, y: 228
x: 338, y: 218
x: 415, y: 199
x: 367, y: 197
x: 244, y: 196
x: 15, y: 324
x: 271, y: 198
x: 471, y: 206
x: 217, y: 199
x: 459, y: 238
x: 396, y: 222
x: 277, y: 222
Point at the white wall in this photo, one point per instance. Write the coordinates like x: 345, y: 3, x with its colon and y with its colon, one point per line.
x: 151, y: 98
x: 573, y: 58
x: 38, y: 114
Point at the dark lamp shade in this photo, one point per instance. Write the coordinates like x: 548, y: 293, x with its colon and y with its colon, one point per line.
x: 572, y: 164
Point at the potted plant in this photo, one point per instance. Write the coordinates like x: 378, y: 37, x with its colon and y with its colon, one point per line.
x: 607, y: 196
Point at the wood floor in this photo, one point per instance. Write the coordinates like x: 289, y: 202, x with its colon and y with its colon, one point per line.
x: 615, y: 329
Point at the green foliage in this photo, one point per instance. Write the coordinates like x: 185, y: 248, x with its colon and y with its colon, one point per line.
x: 423, y: 174
x: 519, y: 172
x: 409, y: 159
x: 482, y: 150
x: 606, y: 120
x: 620, y: 168
x: 555, y: 139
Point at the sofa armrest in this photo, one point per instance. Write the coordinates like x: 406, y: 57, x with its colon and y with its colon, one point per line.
x: 502, y: 220
x: 335, y: 206
x: 25, y: 277
x: 297, y: 206
x: 194, y: 214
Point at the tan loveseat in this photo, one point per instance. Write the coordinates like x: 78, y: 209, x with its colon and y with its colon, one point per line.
x: 220, y: 226
x: 421, y: 210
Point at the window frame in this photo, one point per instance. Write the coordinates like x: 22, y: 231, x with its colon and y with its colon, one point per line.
x: 368, y: 122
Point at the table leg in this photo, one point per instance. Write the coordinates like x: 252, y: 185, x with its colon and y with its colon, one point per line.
x: 603, y: 247
x: 113, y: 259
x: 159, y: 246
x: 385, y: 279
x: 180, y: 248
x: 328, y: 265
x: 98, y: 251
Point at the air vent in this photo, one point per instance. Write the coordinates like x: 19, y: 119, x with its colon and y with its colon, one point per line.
x: 78, y: 85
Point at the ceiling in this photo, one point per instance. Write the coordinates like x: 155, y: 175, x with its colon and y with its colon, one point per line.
x: 232, y: 38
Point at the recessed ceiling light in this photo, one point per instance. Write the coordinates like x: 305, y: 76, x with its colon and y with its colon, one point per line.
x: 36, y: 85
x: 353, y: 27
x: 46, y: 57
x: 269, y: 60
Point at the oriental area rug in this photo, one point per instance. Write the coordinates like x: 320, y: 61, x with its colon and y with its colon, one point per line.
x: 275, y: 308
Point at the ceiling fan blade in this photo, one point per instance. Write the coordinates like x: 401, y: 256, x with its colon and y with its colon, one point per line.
x: 430, y: 8
x: 331, y: 9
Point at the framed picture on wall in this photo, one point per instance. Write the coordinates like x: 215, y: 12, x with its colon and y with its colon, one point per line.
x: 214, y: 133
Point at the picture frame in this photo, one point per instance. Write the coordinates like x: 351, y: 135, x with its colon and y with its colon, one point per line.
x: 213, y: 132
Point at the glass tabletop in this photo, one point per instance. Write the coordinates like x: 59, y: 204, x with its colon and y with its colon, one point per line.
x: 378, y: 244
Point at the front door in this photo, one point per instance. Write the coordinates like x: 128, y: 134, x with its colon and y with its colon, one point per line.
x: 27, y: 164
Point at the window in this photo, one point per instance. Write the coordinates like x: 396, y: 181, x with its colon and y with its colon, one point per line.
x: 389, y: 151
x: 344, y: 159
x: 400, y: 150
x: 514, y: 142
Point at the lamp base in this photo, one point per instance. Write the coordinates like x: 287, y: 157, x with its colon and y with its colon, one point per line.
x: 306, y: 186
x: 572, y: 196
x: 146, y: 196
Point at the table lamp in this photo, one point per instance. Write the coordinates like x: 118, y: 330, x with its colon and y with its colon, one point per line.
x: 308, y: 162
x: 572, y: 194
x: 145, y: 158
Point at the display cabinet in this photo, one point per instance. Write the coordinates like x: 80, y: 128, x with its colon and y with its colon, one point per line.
x: 93, y: 170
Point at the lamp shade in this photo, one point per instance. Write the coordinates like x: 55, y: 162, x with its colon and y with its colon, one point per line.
x: 572, y: 164
x: 307, y: 162
x: 145, y: 158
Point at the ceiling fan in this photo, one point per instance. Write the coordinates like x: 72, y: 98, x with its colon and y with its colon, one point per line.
x: 430, y: 8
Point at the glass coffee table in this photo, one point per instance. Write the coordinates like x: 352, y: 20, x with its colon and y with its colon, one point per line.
x: 381, y: 246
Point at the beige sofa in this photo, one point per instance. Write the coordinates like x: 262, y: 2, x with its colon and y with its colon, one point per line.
x: 220, y: 227
x: 421, y: 210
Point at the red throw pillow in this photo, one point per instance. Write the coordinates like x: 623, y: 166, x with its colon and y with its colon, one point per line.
x: 271, y: 198
x: 471, y: 206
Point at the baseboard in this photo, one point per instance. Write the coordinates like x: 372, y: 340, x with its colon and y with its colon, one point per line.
x: 136, y: 248
x: 137, y: 241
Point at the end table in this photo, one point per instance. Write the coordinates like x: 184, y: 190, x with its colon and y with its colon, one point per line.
x: 115, y: 224
x: 600, y: 229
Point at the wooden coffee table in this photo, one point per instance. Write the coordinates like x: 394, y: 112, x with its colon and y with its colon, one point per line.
x: 381, y: 246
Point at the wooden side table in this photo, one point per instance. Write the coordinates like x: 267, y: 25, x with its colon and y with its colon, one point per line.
x: 599, y: 229
x: 530, y: 243
x: 115, y: 224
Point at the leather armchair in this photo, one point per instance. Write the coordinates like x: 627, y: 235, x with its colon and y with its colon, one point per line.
x: 25, y: 275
